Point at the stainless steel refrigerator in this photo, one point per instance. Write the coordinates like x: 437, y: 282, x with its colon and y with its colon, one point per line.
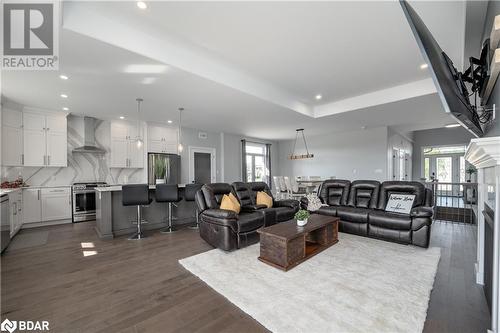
x: 170, y: 163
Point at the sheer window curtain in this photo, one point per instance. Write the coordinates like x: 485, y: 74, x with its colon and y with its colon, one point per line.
x: 268, y: 166
x: 244, y: 160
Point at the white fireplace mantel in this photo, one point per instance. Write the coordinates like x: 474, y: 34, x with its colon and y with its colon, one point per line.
x: 484, y: 154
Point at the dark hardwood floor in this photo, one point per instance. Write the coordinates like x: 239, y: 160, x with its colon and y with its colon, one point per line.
x: 130, y: 286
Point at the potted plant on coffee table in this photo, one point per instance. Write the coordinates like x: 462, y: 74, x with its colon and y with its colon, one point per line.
x: 301, y: 216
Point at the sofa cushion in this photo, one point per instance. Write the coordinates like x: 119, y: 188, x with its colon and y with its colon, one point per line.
x: 250, y: 221
x: 389, y: 220
x: 334, y: 192
x: 364, y: 193
x: 353, y: 214
x: 327, y: 210
x: 284, y: 213
x: 401, y: 187
x: 243, y: 193
x: 214, y: 192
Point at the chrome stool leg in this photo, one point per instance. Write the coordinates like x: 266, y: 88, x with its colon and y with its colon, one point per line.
x: 170, y: 229
x: 197, y: 225
x: 138, y: 234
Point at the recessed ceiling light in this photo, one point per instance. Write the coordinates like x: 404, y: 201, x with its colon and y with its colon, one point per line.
x: 169, y: 121
x: 142, y: 5
x: 424, y: 66
x: 122, y: 117
x: 452, y: 125
x: 63, y: 77
x: 318, y: 97
x: 65, y: 109
x: 64, y: 96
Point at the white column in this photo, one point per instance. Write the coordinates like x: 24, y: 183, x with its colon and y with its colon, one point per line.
x: 495, y: 309
x: 479, y: 265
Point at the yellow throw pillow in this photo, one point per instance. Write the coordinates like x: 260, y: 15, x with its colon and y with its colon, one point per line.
x: 264, y: 199
x: 228, y: 204
x: 235, y: 201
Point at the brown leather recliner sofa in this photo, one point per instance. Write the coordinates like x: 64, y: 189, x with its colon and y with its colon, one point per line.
x: 360, y: 205
x: 226, y: 230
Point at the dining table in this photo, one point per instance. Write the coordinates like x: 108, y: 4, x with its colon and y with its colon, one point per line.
x: 310, y: 185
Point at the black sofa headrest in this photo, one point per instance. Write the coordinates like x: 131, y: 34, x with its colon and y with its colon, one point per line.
x: 401, y: 187
x: 243, y: 193
x: 214, y: 192
x: 334, y: 192
x: 364, y: 193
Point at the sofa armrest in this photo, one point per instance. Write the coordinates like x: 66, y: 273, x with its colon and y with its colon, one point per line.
x: 287, y: 203
x: 220, y: 214
x: 222, y: 217
x: 252, y: 208
x: 422, y: 211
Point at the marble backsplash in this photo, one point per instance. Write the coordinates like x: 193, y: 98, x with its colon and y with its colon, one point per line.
x: 81, y: 167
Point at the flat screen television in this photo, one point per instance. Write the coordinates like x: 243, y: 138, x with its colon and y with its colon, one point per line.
x: 450, y: 87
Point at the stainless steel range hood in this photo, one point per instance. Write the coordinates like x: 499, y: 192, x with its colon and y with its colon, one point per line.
x: 89, y: 143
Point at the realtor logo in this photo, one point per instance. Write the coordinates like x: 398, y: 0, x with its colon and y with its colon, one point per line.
x: 30, y: 35
x: 8, y: 326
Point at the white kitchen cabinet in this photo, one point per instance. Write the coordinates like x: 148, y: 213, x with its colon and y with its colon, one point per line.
x: 57, y: 145
x: 45, y: 139
x: 34, y: 148
x: 32, y: 206
x: 124, y: 150
x: 46, y: 204
x: 12, y: 146
x: 56, y: 204
x: 12, y: 138
x: 162, y: 139
x: 119, y: 153
x: 16, y: 211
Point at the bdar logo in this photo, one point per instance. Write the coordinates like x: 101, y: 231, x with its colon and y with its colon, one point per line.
x: 9, y: 326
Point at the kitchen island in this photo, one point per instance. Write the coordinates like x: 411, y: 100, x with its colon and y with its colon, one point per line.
x: 113, y: 219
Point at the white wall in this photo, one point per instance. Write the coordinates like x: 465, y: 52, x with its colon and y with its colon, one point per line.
x: 351, y: 155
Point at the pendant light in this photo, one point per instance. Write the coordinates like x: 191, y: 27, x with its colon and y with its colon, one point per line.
x: 294, y: 156
x: 180, y: 147
x: 138, y: 140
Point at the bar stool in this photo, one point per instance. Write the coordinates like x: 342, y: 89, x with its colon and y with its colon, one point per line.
x: 136, y: 195
x: 170, y: 194
x: 189, y: 195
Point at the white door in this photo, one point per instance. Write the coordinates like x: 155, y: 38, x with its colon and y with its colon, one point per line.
x: 32, y: 208
x: 57, y: 149
x: 119, y: 156
x: 135, y: 155
x: 56, y: 204
x: 12, y: 146
x: 34, y: 147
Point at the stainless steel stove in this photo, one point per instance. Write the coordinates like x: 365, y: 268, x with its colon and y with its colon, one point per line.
x: 84, y: 200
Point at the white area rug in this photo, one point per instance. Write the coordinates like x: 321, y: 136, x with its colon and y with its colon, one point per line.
x: 358, y: 285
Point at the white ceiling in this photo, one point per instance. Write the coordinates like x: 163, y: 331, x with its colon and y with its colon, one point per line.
x: 338, y: 49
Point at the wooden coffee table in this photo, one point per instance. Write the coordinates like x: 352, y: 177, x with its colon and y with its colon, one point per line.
x: 285, y: 245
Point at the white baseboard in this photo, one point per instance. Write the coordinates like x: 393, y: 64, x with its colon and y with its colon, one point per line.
x: 44, y: 224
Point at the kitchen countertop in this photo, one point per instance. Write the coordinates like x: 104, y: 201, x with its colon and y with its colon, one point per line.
x: 113, y: 188
x: 5, y: 191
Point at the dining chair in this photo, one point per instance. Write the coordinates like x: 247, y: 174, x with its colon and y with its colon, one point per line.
x: 277, y: 187
x: 283, y: 188
x: 293, y: 188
